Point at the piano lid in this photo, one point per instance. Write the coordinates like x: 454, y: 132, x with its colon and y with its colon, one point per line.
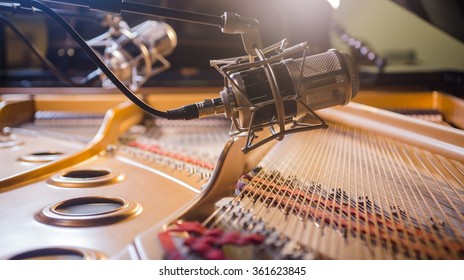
x: 407, y: 41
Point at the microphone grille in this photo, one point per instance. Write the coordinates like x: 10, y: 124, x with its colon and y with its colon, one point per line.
x: 328, y: 79
x: 319, y: 64
x: 329, y: 63
x: 354, y: 75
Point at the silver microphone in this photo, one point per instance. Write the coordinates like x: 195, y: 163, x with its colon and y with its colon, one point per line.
x: 279, y: 94
x: 318, y: 81
x: 135, y: 54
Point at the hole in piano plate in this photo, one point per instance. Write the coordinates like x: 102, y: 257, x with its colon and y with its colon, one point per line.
x: 86, y: 174
x: 92, y: 206
x: 41, y: 156
x: 82, y: 178
x: 57, y: 253
x: 88, y: 211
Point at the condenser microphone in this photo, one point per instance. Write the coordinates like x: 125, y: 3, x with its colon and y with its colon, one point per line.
x: 315, y: 82
x: 135, y: 54
x: 281, y: 93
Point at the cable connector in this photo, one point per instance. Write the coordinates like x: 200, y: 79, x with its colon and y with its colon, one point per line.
x: 186, y: 112
x: 210, y: 107
x: 206, y: 108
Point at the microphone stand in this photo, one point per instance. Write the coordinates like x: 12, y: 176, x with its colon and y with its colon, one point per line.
x: 15, y: 9
x: 230, y: 23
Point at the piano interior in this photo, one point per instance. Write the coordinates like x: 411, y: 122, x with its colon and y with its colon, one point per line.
x: 86, y: 174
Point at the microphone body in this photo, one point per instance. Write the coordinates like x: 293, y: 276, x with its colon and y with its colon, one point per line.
x: 278, y: 94
x: 318, y: 81
x: 131, y: 53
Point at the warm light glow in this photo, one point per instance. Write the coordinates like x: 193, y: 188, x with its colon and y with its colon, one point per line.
x: 334, y: 3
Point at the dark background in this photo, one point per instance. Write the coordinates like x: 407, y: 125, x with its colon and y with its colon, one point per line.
x: 296, y: 20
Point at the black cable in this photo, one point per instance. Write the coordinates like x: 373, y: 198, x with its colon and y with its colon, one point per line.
x: 175, y: 114
x: 58, y: 74
x: 175, y: 14
x: 15, y: 9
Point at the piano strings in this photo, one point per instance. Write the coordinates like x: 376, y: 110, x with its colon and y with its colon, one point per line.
x: 346, y: 193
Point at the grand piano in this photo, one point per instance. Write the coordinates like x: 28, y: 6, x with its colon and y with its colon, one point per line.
x: 86, y: 174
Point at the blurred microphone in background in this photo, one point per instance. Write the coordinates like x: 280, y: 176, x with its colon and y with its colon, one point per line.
x: 134, y: 54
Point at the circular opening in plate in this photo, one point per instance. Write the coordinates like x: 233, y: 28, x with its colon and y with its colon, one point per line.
x: 86, y: 174
x: 41, y: 156
x: 88, y: 206
x: 88, y: 211
x: 58, y: 254
x: 82, y: 178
